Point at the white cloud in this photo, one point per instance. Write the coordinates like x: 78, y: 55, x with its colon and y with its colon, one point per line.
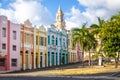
x: 9, y: 13
x: 113, y: 5
x: 109, y: 4
x: 91, y: 3
x: 93, y: 9
x: 73, y: 18
x: 22, y: 10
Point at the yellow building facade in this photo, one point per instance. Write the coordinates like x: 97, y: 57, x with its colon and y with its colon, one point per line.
x: 33, y: 50
x: 40, y: 47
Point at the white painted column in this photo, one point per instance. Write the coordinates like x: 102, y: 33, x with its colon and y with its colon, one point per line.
x: 55, y: 58
x: 100, y: 60
x: 50, y: 60
x: 69, y: 56
x: 34, y: 47
x: 58, y: 58
x: 43, y: 60
x: 24, y: 66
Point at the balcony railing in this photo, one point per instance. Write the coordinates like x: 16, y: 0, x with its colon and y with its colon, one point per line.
x: 53, y: 46
x: 28, y: 46
x: 42, y: 48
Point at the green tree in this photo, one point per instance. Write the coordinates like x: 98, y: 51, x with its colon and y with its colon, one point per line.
x: 80, y: 36
x: 91, y: 45
x: 97, y: 27
x: 110, y: 35
x: 97, y: 33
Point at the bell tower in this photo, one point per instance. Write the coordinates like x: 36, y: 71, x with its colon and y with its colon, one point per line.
x: 60, y: 23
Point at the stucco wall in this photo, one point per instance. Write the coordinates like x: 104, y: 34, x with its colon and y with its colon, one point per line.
x: 3, y: 23
x: 15, y: 54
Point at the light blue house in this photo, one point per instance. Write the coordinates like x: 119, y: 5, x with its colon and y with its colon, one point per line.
x: 57, y: 41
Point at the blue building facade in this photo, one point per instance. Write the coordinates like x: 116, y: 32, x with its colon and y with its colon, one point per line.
x: 57, y: 41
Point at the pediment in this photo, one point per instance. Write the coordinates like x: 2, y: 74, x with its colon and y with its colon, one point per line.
x: 42, y: 28
x: 27, y: 23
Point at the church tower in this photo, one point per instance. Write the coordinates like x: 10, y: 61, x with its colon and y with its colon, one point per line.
x: 59, y: 23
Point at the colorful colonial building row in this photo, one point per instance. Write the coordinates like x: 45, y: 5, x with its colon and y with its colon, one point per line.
x: 29, y: 47
x: 9, y: 45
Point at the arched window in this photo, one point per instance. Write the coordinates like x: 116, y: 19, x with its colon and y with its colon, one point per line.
x: 52, y: 40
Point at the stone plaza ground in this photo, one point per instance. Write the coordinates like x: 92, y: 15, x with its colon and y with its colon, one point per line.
x: 57, y: 78
x: 67, y: 72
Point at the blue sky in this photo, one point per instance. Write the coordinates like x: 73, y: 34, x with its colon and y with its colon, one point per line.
x: 76, y: 12
x: 52, y: 5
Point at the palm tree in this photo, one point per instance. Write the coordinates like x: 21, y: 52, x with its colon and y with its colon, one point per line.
x: 91, y: 44
x: 80, y: 36
x: 97, y: 32
x: 97, y: 27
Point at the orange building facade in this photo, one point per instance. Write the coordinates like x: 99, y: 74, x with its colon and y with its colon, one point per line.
x: 27, y: 46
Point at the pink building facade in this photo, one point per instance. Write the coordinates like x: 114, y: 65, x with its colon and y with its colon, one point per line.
x: 9, y: 45
x: 79, y: 52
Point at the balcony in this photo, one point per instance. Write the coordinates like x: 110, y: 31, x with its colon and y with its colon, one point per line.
x: 27, y: 46
x: 53, y: 47
x: 43, y: 48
